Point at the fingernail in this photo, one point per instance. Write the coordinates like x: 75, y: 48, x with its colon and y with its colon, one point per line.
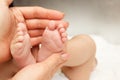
x: 65, y: 56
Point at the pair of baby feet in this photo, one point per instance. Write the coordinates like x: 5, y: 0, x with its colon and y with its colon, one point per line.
x: 53, y: 41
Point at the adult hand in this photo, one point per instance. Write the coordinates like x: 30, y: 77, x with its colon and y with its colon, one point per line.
x: 42, y: 71
x: 35, y: 18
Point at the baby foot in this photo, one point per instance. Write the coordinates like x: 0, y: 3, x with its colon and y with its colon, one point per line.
x: 53, y: 41
x: 20, y: 47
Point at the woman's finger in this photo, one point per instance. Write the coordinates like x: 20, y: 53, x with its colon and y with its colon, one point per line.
x: 36, y: 33
x: 42, y: 23
x: 35, y: 50
x: 37, y: 23
x: 36, y: 40
x: 40, y: 13
x: 43, y: 70
x: 55, y: 61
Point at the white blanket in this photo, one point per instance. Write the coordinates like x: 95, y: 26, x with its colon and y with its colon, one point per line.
x: 108, y: 57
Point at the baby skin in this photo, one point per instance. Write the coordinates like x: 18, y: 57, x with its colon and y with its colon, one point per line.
x: 81, y: 48
x: 53, y: 41
x: 21, y: 47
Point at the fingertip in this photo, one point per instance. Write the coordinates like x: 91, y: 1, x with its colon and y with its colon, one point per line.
x: 65, y: 56
x: 59, y: 15
x: 64, y: 40
x: 56, y: 59
x: 62, y: 15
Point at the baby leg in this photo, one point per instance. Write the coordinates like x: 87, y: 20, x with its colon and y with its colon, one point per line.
x: 82, y: 58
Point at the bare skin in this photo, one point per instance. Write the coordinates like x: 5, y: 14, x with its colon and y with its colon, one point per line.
x: 53, y: 41
x: 21, y: 47
x: 82, y: 60
x: 81, y: 49
x: 35, y: 18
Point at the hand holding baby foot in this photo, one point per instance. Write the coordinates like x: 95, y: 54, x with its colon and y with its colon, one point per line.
x: 53, y: 41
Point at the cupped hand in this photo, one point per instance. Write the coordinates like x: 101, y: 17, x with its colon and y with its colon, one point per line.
x: 35, y: 18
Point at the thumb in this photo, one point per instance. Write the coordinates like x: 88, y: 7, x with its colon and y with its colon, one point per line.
x: 56, y: 60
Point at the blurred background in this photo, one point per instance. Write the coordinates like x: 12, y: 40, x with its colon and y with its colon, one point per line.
x: 96, y: 17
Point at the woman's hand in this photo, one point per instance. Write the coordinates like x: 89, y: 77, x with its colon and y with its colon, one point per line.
x: 42, y: 71
x: 35, y: 18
